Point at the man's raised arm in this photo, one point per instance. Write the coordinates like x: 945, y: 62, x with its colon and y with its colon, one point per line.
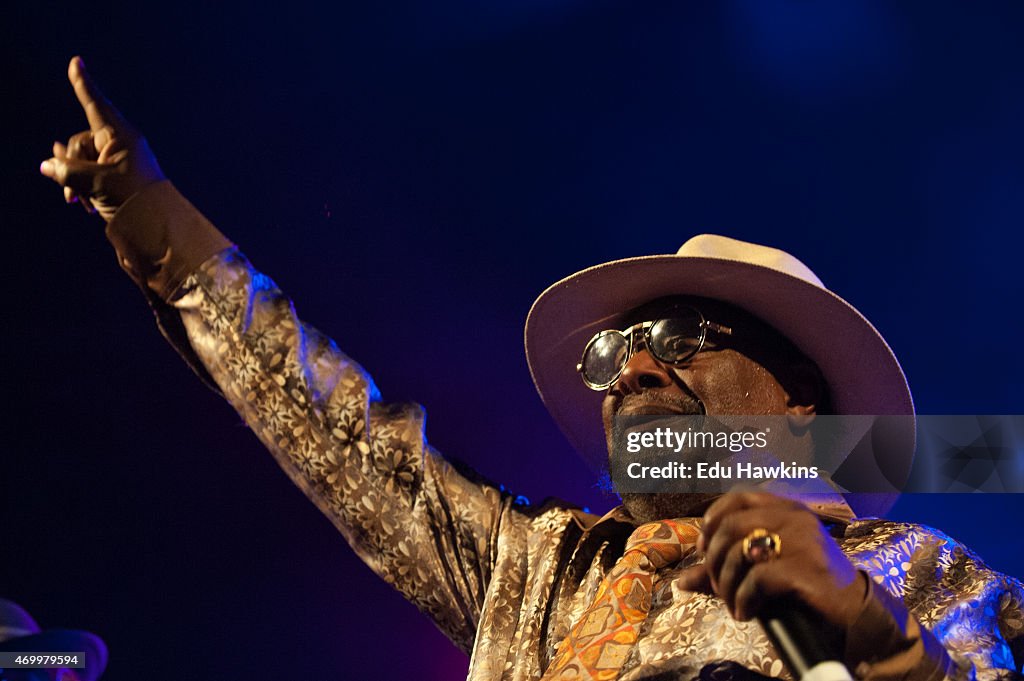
x: 419, y: 524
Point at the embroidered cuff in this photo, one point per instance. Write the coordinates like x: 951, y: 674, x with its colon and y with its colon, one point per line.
x: 886, y: 642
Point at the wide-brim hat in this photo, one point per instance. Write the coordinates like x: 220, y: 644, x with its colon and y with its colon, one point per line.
x: 19, y: 632
x: 863, y: 375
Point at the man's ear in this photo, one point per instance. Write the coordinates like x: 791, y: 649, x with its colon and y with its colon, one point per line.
x: 805, y: 392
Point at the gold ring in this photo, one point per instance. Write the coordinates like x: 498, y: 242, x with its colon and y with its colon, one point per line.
x: 760, y: 546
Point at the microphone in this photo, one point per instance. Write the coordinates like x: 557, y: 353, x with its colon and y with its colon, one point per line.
x: 808, y: 648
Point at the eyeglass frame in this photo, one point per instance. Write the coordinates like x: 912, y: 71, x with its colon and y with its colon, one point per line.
x: 630, y: 332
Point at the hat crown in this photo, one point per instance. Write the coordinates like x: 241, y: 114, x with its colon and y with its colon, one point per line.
x: 724, y: 248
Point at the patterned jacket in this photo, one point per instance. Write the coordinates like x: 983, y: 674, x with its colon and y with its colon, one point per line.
x: 504, y: 581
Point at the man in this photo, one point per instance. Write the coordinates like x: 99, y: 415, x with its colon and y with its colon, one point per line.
x: 553, y: 592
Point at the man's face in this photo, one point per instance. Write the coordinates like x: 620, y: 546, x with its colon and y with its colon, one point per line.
x: 729, y: 376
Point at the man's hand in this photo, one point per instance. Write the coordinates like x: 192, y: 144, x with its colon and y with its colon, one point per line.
x: 810, y: 567
x: 104, y: 166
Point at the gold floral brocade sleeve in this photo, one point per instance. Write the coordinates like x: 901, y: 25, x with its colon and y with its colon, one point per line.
x: 930, y: 590
x: 419, y: 524
x: 415, y: 521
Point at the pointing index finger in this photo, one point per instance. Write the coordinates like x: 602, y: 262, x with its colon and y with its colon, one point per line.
x: 98, y: 109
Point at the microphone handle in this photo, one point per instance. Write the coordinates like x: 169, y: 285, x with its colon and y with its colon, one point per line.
x: 808, y: 649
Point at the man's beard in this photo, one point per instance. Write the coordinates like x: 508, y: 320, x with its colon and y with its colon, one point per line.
x: 647, y: 508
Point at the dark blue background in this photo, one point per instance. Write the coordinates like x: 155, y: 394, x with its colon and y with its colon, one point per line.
x: 414, y: 174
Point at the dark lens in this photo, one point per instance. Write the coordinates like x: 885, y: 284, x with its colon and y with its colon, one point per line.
x: 604, y: 357
x: 676, y: 338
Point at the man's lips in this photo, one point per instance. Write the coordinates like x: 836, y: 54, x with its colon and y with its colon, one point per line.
x: 648, y: 405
